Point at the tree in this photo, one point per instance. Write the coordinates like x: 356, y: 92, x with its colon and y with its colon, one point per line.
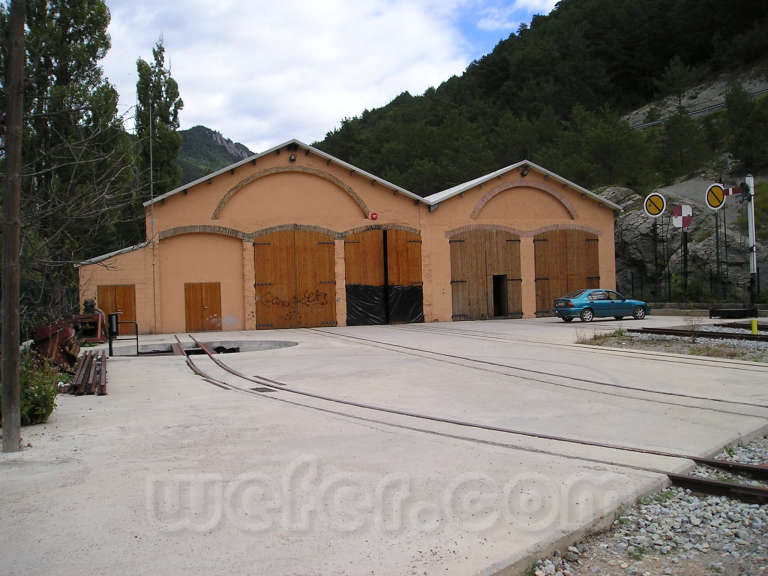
x: 677, y: 77
x: 157, y: 111
x: 747, y: 123
x: 76, y: 177
x: 682, y: 146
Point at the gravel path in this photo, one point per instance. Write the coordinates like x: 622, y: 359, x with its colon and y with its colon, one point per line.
x: 738, y: 349
x: 676, y: 532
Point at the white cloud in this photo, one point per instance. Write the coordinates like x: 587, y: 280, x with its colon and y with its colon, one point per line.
x: 263, y: 72
x: 509, y: 16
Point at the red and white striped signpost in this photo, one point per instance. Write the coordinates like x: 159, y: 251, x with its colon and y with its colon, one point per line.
x: 682, y: 217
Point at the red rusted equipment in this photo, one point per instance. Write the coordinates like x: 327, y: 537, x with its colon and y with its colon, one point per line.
x: 57, y: 343
x: 89, y: 327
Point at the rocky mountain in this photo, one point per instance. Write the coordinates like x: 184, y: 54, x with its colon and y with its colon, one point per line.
x: 204, y: 151
x: 642, y: 254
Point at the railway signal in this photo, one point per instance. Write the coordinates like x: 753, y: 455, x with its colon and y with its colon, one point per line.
x: 715, y: 196
x: 749, y: 188
x: 654, y: 204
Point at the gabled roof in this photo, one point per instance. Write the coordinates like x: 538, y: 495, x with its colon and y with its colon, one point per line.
x: 306, y: 147
x: 432, y: 200
x: 456, y: 190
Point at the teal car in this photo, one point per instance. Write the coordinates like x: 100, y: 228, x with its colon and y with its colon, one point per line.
x: 598, y: 303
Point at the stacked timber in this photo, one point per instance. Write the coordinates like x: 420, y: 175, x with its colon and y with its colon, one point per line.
x: 91, y: 374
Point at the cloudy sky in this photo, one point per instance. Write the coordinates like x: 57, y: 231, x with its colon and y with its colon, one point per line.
x: 263, y: 72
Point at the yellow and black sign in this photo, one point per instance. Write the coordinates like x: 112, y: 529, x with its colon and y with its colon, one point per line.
x: 715, y: 196
x: 654, y: 204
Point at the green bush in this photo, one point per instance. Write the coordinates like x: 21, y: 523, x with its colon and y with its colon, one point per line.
x: 38, y: 380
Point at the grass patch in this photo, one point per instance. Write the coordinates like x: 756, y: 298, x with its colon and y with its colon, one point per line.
x: 715, y: 351
x: 602, y: 339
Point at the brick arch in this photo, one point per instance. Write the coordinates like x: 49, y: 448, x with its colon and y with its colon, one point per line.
x: 380, y: 227
x: 290, y: 169
x: 511, y: 186
x: 473, y: 227
x: 203, y: 229
x: 522, y: 233
x: 544, y: 229
x: 283, y: 227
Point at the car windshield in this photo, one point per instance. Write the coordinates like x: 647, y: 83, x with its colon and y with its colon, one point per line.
x: 574, y: 294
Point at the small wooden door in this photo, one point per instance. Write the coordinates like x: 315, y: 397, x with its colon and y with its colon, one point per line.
x: 202, y: 304
x: 119, y: 299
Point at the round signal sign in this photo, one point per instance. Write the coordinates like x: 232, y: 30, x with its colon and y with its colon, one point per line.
x: 654, y: 204
x: 715, y: 196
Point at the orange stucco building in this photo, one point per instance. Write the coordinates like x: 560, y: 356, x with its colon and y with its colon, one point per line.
x: 295, y: 237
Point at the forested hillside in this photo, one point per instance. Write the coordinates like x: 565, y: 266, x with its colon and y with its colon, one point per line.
x: 554, y: 93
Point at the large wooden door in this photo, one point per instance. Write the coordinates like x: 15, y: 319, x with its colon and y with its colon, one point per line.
x: 405, y: 295
x: 503, y: 263
x: 294, y: 279
x: 365, y: 278
x: 485, y: 266
x: 274, y: 258
x: 565, y: 260
x: 202, y: 306
x: 118, y: 299
x: 383, y: 277
x: 592, y: 264
x: 315, y: 279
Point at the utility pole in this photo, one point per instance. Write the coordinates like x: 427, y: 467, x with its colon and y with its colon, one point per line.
x: 750, y: 185
x: 12, y: 230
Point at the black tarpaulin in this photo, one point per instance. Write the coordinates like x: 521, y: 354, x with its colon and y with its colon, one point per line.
x: 366, y: 305
x: 405, y: 304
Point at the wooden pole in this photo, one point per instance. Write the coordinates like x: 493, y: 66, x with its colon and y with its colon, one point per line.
x: 12, y: 230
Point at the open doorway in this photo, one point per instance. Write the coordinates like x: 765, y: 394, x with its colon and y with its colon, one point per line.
x: 500, y: 295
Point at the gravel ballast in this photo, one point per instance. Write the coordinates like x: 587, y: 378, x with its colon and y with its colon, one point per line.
x: 677, y: 532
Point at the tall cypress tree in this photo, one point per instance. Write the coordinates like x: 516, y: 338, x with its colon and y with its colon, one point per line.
x: 158, y: 103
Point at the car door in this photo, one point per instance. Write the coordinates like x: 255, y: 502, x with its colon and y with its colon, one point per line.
x: 600, y: 303
x: 621, y: 304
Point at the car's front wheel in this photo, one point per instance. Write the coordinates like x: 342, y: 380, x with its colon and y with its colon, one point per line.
x: 567, y: 318
x: 638, y: 313
x: 587, y: 315
x: 618, y: 317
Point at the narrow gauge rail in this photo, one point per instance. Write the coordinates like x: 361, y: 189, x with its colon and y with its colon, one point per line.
x: 761, y: 326
x: 412, y: 351
x: 701, y: 334
x: 745, y: 492
x: 649, y: 354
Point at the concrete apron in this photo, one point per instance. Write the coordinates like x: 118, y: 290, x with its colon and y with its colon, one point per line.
x: 170, y: 474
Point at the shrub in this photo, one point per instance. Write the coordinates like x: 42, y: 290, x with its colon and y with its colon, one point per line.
x: 38, y: 380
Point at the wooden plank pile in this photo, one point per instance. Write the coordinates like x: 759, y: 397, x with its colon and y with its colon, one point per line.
x: 91, y: 375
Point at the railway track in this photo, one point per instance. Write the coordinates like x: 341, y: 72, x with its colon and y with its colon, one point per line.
x: 745, y: 492
x: 685, y: 333
x: 647, y: 354
x: 535, y: 376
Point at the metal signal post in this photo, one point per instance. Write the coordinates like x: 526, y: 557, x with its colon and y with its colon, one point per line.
x: 750, y: 189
